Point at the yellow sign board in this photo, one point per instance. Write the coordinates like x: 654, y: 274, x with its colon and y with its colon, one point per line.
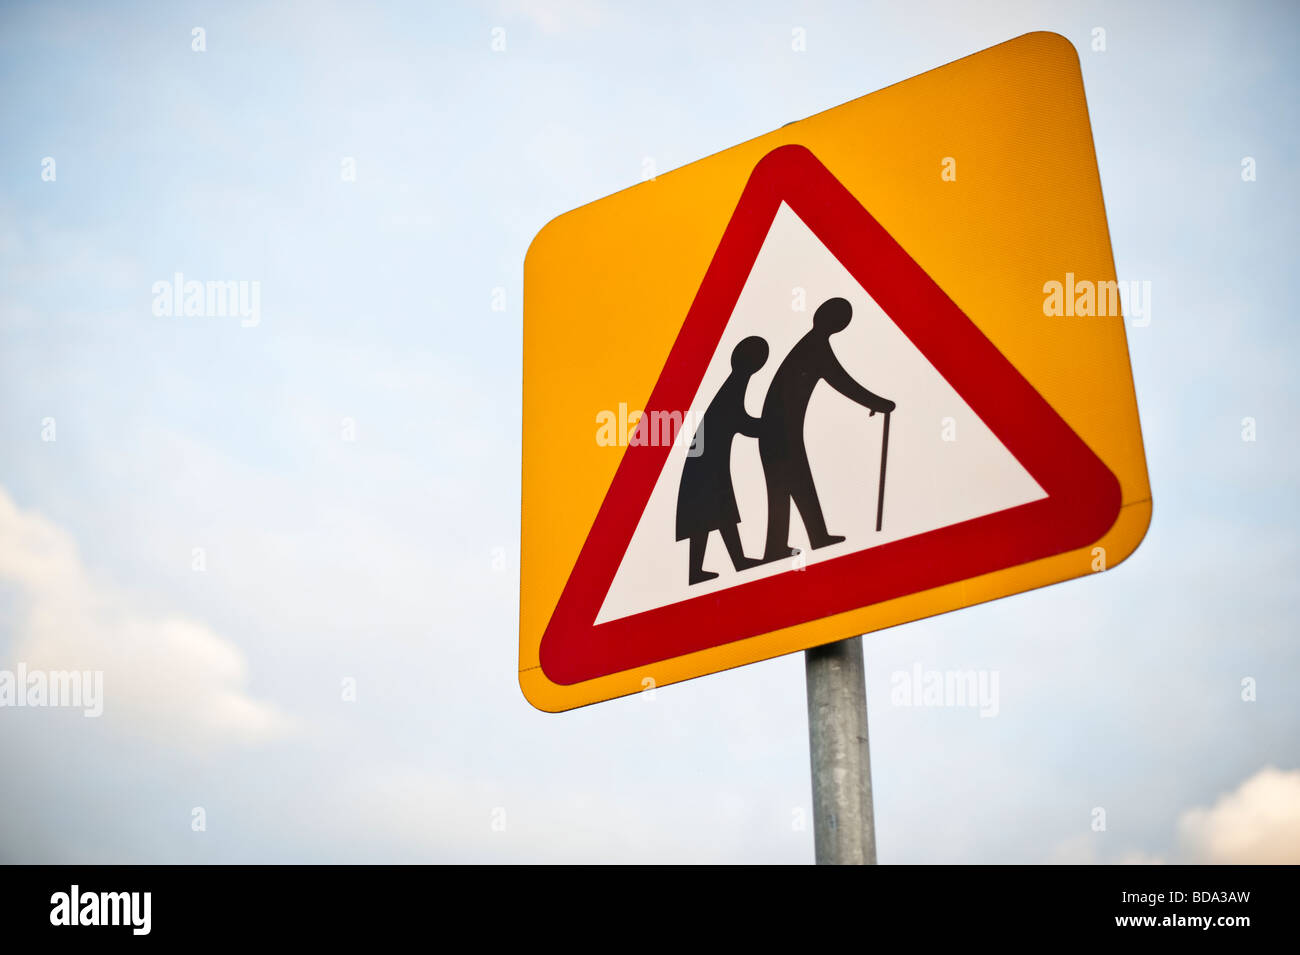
x: 863, y: 369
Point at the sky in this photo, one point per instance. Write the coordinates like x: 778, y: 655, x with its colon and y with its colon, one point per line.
x: 292, y: 545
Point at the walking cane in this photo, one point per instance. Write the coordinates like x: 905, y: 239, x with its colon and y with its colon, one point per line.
x: 884, y: 454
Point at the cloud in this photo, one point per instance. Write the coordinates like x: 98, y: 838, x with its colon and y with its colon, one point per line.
x: 1258, y: 823
x: 165, y: 677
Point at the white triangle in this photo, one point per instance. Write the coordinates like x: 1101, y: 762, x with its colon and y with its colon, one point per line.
x: 945, y: 466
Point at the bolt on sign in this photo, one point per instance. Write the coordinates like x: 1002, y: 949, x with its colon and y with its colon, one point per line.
x: 853, y: 401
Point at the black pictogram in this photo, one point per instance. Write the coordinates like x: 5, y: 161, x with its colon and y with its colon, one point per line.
x: 706, y: 499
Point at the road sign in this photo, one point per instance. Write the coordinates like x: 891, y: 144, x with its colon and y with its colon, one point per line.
x: 859, y: 403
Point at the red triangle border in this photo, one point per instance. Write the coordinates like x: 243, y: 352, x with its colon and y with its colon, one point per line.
x: 1083, y: 495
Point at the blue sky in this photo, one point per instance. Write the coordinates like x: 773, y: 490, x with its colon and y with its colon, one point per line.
x: 375, y: 559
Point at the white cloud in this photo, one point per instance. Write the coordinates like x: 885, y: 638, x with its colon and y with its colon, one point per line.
x: 165, y: 677
x: 1258, y: 823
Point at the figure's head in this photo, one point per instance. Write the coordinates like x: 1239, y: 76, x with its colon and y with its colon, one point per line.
x: 749, y: 355
x: 832, y: 316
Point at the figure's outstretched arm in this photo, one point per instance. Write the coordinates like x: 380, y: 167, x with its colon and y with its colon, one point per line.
x: 843, y: 382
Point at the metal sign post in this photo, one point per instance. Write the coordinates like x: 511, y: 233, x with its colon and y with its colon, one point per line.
x: 843, y: 824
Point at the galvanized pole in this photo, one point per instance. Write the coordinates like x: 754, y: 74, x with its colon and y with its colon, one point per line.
x: 843, y: 826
